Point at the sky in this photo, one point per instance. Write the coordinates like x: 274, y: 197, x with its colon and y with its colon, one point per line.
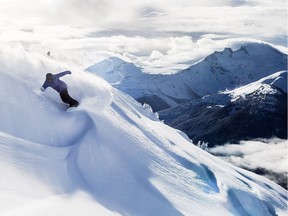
x: 160, y: 36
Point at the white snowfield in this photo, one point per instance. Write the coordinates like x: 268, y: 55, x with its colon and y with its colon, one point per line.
x: 109, y: 156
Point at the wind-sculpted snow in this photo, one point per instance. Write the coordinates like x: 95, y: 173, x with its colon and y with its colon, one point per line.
x: 110, y: 156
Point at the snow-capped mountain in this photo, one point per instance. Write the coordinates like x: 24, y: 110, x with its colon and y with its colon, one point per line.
x: 219, y: 71
x: 131, y: 80
x: 114, y: 70
x: 109, y: 156
x: 255, y: 110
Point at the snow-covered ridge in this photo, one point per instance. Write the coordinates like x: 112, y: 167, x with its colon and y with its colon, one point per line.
x: 109, y: 156
x: 262, y: 86
x: 219, y: 71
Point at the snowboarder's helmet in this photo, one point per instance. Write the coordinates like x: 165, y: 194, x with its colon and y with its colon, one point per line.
x: 49, y: 77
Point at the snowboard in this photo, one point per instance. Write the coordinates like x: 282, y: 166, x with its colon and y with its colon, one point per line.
x: 71, y: 108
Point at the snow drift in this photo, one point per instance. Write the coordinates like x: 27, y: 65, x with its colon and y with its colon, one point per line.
x: 109, y: 156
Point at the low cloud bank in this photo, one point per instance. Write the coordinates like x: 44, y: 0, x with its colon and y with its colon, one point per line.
x: 265, y: 157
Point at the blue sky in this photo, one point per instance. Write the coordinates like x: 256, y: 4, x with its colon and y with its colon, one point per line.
x: 160, y: 36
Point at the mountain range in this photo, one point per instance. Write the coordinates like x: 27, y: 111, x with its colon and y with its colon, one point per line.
x: 197, y: 100
x: 219, y: 71
x: 256, y: 110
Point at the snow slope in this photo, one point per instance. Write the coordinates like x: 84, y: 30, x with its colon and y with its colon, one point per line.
x: 109, y: 156
x: 227, y: 69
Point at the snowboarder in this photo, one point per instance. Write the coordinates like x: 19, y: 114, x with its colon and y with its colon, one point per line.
x: 53, y: 81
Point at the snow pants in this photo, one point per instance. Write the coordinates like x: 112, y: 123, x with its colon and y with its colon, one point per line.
x: 67, y: 99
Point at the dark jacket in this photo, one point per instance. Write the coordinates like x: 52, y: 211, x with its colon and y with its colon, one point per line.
x: 56, y: 83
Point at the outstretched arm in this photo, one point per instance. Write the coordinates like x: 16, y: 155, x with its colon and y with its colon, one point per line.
x: 62, y: 74
x: 44, y: 86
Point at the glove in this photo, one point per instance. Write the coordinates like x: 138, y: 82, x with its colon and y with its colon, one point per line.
x: 37, y: 91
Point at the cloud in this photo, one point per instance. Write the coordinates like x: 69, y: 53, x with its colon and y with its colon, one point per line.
x: 161, y: 36
x: 169, y: 16
x: 268, y: 154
